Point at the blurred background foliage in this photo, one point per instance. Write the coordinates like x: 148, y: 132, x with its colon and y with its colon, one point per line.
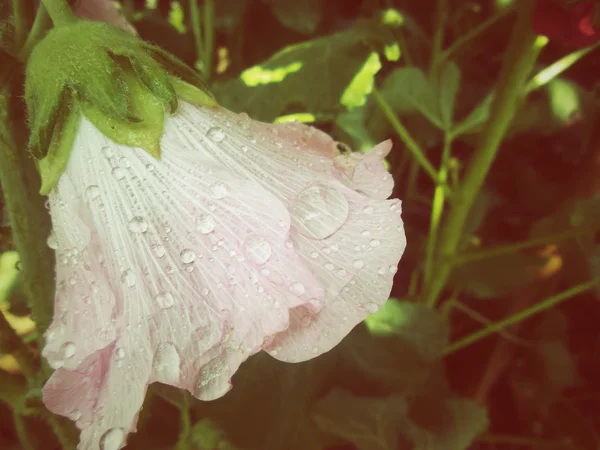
x: 459, y: 376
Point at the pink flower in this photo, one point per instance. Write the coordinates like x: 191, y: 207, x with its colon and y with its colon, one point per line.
x: 242, y: 237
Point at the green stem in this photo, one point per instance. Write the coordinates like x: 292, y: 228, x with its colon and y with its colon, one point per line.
x: 556, y: 68
x: 406, y: 138
x: 209, y: 36
x: 437, y: 210
x: 186, y: 423
x: 196, y: 30
x: 20, y: 20
x: 60, y: 12
x: 41, y: 24
x: 520, y: 316
x: 11, y: 343
x: 22, y: 432
x: 511, y: 248
x: 472, y: 34
x: 441, y: 14
x: 522, y: 53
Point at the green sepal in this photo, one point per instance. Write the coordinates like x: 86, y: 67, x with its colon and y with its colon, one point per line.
x: 144, y: 134
x: 54, y: 163
x: 192, y: 94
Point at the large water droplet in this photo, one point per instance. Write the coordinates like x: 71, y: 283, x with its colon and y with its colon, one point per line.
x: 112, y: 439
x: 297, y: 288
x: 75, y: 415
x: 258, y: 250
x: 128, y: 278
x: 319, y: 211
x: 218, y: 191
x: 92, y: 192
x: 210, y: 371
x: 165, y: 300
x: 205, y: 224
x: 52, y: 241
x: 68, y: 349
x: 138, y: 225
x: 166, y: 363
x: 187, y: 256
x: 118, y: 173
x: 215, y: 134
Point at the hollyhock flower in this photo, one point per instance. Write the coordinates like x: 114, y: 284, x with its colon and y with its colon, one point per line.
x: 188, y: 237
x: 571, y: 25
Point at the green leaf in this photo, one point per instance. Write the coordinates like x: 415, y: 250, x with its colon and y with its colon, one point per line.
x: 361, y: 86
x: 8, y: 274
x: 497, y: 275
x: 448, y: 88
x: 407, y: 90
x: 309, y: 77
x: 564, y: 99
x: 303, y: 17
x: 371, y: 423
x: 422, y: 328
x: 477, y: 117
x: 205, y: 435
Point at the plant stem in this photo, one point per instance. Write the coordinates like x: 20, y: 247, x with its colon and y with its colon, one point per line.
x: 441, y: 14
x: 60, y: 12
x: 472, y: 34
x: 209, y: 36
x: 522, y: 53
x: 437, y: 210
x: 40, y: 25
x: 518, y: 317
x: 403, y: 134
x: 196, y: 30
x: 186, y: 423
x: 22, y: 432
x: 20, y: 21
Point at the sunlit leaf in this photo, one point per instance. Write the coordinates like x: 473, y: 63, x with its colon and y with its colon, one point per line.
x: 8, y: 274
x: 564, y: 99
x: 361, y: 86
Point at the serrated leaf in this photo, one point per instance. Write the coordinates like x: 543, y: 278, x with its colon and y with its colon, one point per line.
x: 421, y: 327
x: 308, y: 77
x: 303, y: 16
x: 371, y: 423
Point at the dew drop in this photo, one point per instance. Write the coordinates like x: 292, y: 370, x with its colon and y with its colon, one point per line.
x: 372, y: 308
x: 218, y: 191
x: 204, y: 291
x: 165, y: 300
x: 210, y: 371
x: 314, y: 255
x: 124, y: 162
x: 138, y: 225
x: 358, y: 263
x: 215, y: 134
x: 166, y: 363
x: 150, y: 167
x: 158, y: 250
x: 374, y: 243
x: 297, y: 288
x: 68, y: 349
x: 329, y: 266
x: 75, y: 415
x: 52, y: 241
x: 257, y: 249
x: 319, y: 211
x: 393, y: 269
x: 112, y: 439
x: 187, y: 256
x: 107, y: 152
x: 118, y: 173
x: 119, y: 353
x: 128, y: 278
x: 315, y: 350
x: 381, y: 271
x: 205, y: 224
x: 92, y: 192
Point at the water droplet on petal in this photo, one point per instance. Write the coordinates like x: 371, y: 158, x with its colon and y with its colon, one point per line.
x: 245, y: 120
x: 210, y: 371
x: 165, y: 300
x: 112, y: 439
x: 205, y: 224
x: 319, y: 211
x: 128, y: 278
x: 124, y: 162
x: 257, y: 249
x: 314, y: 255
x: 368, y: 209
x: 108, y: 152
x: 52, y: 242
x: 159, y: 250
x: 297, y: 288
x: 358, y: 263
x: 204, y: 291
x: 92, y: 192
x: 138, y: 225
x: 119, y: 353
x: 218, y: 191
x: 118, y: 173
x: 393, y: 269
x: 68, y: 349
x: 166, y: 363
x: 374, y: 243
x: 215, y: 134
x: 187, y: 256
x: 75, y: 415
x: 329, y: 266
x: 372, y: 308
